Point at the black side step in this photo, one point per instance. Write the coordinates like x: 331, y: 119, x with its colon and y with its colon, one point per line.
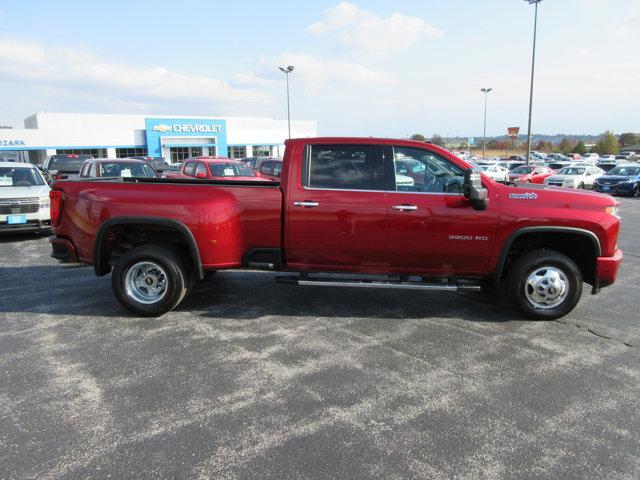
x: 366, y: 283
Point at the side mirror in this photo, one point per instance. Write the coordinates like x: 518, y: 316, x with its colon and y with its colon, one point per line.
x: 201, y: 175
x: 474, y: 191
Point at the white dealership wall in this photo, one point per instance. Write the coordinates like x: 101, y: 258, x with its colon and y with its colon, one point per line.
x: 48, y: 132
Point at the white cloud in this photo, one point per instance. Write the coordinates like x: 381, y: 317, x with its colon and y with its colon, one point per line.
x: 370, y: 32
x: 319, y: 73
x: 86, y: 72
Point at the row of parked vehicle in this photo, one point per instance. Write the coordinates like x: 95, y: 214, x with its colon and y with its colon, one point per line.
x: 25, y: 204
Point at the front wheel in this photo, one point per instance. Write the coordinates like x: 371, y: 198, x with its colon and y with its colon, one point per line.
x: 150, y: 280
x: 544, y: 284
x: 636, y: 190
x: 581, y: 186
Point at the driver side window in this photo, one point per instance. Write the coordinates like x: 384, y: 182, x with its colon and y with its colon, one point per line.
x: 422, y: 171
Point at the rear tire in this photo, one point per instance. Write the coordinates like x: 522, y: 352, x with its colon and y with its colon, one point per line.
x: 544, y: 284
x: 150, y: 280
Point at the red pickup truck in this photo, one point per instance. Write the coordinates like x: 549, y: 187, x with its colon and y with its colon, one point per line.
x: 342, y: 208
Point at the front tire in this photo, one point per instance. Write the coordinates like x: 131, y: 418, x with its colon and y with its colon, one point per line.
x: 544, y: 284
x: 150, y: 280
x: 581, y: 186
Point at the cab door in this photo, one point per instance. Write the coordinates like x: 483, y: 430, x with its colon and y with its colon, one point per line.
x: 336, y: 215
x: 432, y: 227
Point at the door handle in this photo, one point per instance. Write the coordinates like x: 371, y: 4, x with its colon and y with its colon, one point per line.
x: 404, y: 208
x: 306, y: 203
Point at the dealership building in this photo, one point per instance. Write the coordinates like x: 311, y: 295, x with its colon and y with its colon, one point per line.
x: 172, y: 137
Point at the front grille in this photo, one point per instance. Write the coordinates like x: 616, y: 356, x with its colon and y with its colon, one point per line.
x: 555, y: 184
x: 608, y: 182
x: 9, y: 206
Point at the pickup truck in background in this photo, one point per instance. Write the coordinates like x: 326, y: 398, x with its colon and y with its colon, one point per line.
x: 342, y: 208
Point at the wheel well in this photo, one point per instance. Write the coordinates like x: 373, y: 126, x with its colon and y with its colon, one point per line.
x: 580, y: 248
x: 114, y: 240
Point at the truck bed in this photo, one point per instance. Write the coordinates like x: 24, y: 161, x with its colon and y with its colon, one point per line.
x: 225, y: 218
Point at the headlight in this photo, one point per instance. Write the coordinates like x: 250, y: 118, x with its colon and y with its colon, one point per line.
x: 44, y: 202
x: 615, y: 211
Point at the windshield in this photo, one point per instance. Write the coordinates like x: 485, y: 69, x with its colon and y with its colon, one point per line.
x: 19, y: 177
x: 230, y: 169
x: 571, y: 171
x: 522, y: 170
x: 625, y: 171
x: 122, y: 169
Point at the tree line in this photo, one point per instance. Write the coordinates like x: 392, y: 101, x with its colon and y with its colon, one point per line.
x: 608, y: 143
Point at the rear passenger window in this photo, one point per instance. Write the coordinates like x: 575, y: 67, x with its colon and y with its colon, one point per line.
x: 343, y: 167
x: 189, y: 169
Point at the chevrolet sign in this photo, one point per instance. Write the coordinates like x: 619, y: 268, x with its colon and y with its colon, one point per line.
x: 187, y: 128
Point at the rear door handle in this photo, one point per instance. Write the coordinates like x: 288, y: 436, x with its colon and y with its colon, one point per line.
x: 404, y: 208
x: 306, y: 203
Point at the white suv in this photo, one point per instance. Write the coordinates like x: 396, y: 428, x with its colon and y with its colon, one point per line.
x: 24, y: 199
x: 574, y: 176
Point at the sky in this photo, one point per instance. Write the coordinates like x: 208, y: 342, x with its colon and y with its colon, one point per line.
x: 379, y: 68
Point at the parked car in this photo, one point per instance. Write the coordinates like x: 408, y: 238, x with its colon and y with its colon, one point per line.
x: 608, y: 163
x: 158, y: 163
x: 606, y: 157
x: 580, y: 177
x: 540, y: 155
x: 61, y: 166
x: 591, y: 158
x: 254, y: 163
x: 530, y: 174
x: 621, y: 180
x: 24, y: 199
x: 214, y: 168
x: 271, y: 170
x: 558, y: 157
x: 628, y: 155
x: 117, y: 168
x: 495, y: 172
x: 557, y: 165
x: 340, y: 211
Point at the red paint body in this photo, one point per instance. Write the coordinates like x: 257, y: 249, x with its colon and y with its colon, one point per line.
x: 349, y: 230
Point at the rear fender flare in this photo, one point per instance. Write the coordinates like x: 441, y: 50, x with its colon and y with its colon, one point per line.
x: 99, y: 265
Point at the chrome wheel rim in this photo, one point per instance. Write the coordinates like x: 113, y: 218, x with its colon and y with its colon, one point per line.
x: 546, y: 287
x: 146, y: 282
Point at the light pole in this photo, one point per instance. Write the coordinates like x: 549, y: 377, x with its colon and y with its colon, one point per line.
x: 287, y: 71
x: 484, y: 131
x: 533, y: 64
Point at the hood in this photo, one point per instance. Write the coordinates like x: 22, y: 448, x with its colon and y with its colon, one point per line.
x: 563, y: 177
x: 617, y: 178
x: 559, y: 194
x: 25, y: 192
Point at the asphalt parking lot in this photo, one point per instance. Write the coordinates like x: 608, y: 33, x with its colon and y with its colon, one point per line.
x: 249, y: 379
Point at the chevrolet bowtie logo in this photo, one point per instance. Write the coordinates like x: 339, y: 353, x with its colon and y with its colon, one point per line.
x: 162, y: 128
